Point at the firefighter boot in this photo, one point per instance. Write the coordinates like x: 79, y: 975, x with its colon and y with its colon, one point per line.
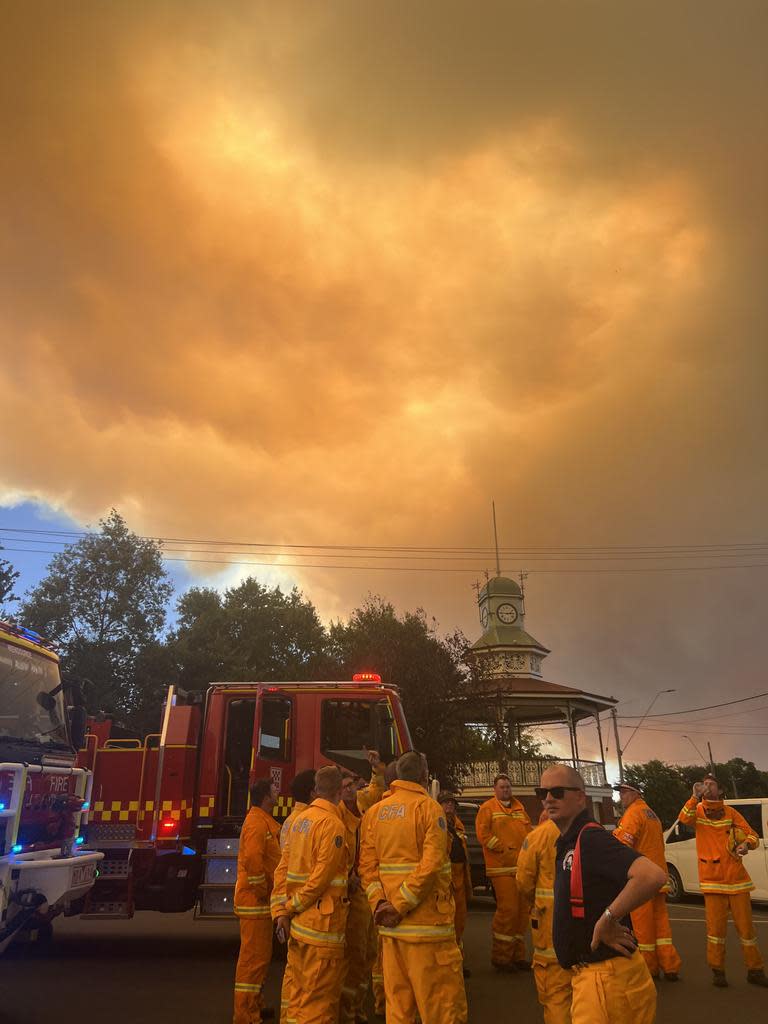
x: 719, y: 979
x: 757, y: 977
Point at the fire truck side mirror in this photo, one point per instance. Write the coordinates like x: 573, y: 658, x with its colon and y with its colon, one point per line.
x: 78, y: 720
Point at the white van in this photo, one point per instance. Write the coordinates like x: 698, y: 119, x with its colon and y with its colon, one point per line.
x: 682, y: 862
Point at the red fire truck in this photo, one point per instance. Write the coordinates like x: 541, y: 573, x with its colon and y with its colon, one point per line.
x: 167, y: 808
x: 44, y: 868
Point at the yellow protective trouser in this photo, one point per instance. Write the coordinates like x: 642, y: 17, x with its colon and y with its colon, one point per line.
x: 285, y: 993
x: 460, y: 897
x: 252, y: 963
x: 509, y: 921
x: 424, y: 978
x: 377, y: 979
x: 616, y: 991
x: 316, y: 973
x: 553, y: 984
x: 653, y: 932
x: 360, y: 951
x: 716, y: 906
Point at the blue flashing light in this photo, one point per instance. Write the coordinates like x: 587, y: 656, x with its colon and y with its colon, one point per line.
x: 29, y: 634
x: 2, y: 807
x: 86, y: 805
x: 17, y: 848
x: 187, y: 851
x: 80, y: 840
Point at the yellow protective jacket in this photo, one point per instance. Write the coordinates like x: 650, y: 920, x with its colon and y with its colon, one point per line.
x: 640, y: 828
x: 536, y: 882
x: 311, y: 878
x: 298, y: 807
x: 501, y: 831
x: 719, y: 827
x: 351, y: 823
x: 461, y: 834
x: 257, y: 858
x: 404, y: 859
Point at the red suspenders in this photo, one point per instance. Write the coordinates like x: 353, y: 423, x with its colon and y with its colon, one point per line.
x: 577, y: 882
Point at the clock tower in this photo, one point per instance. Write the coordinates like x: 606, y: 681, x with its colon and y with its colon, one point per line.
x: 505, y: 649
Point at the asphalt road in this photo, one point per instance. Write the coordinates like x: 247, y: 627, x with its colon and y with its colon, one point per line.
x: 165, y: 969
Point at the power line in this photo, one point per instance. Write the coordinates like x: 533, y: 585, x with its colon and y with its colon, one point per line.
x: 740, y: 547
x: 428, y: 568
x: 690, y: 711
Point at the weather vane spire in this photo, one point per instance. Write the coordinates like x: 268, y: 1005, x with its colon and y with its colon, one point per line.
x: 496, y: 539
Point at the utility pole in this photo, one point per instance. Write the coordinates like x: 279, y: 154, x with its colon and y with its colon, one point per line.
x: 711, y: 759
x: 618, y: 744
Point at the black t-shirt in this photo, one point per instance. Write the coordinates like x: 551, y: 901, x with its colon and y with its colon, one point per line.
x: 456, y: 853
x: 604, y: 866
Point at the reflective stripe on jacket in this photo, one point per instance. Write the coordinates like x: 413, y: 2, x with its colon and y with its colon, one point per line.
x: 536, y: 882
x: 311, y: 878
x: 257, y: 857
x: 719, y: 870
x: 298, y: 807
x: 404, y: 859
x: 501, y: 831
x: 640, y: 829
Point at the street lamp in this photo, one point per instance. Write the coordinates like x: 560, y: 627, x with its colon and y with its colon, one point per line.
x: 647, y: 712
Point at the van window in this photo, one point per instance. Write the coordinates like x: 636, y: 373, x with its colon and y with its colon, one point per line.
x: 754, y: 815
x: 275, y: 731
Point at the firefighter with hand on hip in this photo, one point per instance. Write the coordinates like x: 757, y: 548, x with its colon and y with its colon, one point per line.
x: 598, y: 883
x: 723, y: 838
x: 309, y: 904
x: 536, y: 882
x: 502, y: 824
x: 406, y: 872
x: 258, y: 856
x: 640, y: 829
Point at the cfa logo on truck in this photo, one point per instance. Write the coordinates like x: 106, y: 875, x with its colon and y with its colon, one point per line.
x: 391, y: 812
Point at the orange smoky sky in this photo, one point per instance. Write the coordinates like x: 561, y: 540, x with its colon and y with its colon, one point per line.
x: 341, y: 273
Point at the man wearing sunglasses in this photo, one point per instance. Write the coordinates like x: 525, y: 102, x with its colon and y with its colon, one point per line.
x: 598, y: 882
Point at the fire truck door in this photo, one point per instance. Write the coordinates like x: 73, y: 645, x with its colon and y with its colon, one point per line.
x: 273, y: 746
x: 236, y: 763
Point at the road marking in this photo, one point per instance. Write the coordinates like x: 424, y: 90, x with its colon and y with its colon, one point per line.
x: 701, y: 920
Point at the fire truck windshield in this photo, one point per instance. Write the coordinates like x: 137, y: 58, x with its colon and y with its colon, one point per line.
x: 24, y: 676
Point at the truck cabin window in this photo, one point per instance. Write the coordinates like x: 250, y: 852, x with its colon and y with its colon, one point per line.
x: 354, y: 725
x: 238, y: 749
x: 275, y: 730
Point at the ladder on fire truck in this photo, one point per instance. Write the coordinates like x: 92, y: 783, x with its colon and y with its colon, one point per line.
x: 112, y: 896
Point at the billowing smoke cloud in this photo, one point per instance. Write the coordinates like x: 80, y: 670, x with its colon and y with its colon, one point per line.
x: 340, y: 273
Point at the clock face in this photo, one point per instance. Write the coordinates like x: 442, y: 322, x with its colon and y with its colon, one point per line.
x: 484, y: 616
x: 507, y: 614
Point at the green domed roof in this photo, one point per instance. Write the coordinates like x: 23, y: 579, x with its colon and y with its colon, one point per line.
x: 500, y: 586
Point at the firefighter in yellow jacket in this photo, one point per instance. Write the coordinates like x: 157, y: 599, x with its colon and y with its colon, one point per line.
x: 502, y: 824
x: 303, y: 793
x: 723, y: 838
x: 361, y: 934
x: 258, y: 856
x: 405, y: 869
x: 458, y: 854
x: 640, y: 828
x: 309, y: 904
x: 536, y: 882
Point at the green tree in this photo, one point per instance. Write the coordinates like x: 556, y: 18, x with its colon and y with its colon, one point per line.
x: 8, y: 579
x: 103, y: 604
x: 407, y: 651
x: 249, y: 632
x: 739, y: 778
x: 663, y: 785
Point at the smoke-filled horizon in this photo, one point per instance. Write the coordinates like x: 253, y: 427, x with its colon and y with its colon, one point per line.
x: 345, y: 274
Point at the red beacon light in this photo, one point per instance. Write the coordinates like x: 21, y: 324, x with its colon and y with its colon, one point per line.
x: 169, y: 828
x: 366, y: 677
